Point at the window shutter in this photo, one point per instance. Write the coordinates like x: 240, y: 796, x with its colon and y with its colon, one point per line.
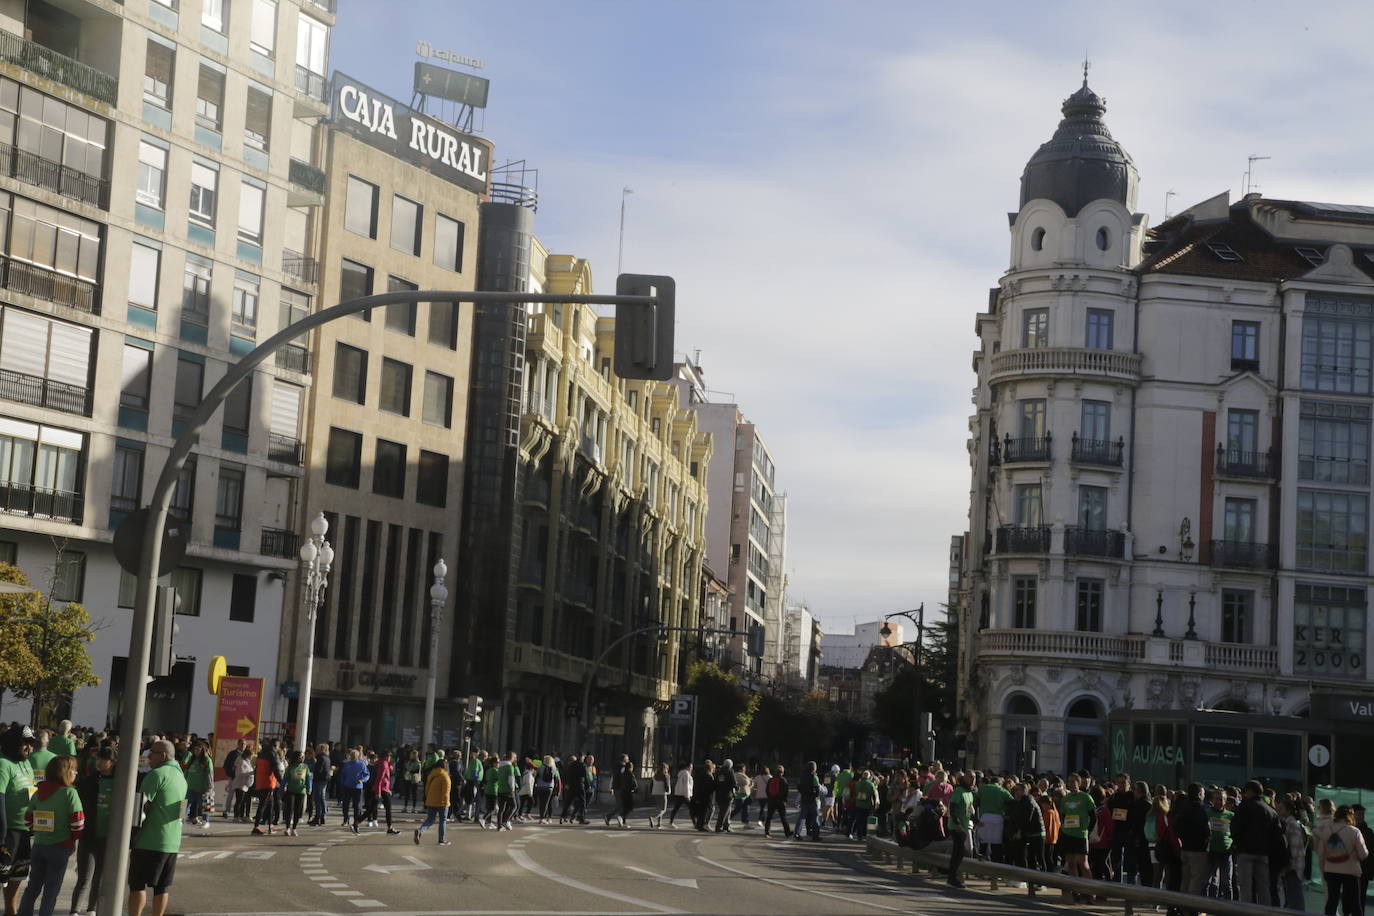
x: 24, y: 347
x: 70, y: 356
x: 286, y: 408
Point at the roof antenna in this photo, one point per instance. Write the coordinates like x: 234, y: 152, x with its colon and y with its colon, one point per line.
x: 1167, y: 195
x: 1086, y: 67
x: 1250, y: 173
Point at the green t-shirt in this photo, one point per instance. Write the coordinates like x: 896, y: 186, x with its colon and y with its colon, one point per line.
x: 297, y: 778
x: 1077, y: 812
x: 491, y: 781
x: 1219, y: 822
x: 505, y: 778
x: 62, y: 744
x: 992, y: 799
x: 103, y: 797
x: 865, y: 794
x: 842, y: 781
x: 198, y: 775
x: 164, y: 789
x: 16, y: 781
x: 38, y: 761
x: 51, y: 816
x: 960, y: 803
x: 474, y: 770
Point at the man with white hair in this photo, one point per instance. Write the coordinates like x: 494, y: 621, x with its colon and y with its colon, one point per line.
x: 62, y: 742
x: 725, y: 792
x: 153, y: 861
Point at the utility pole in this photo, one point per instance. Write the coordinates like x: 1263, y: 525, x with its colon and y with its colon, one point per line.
x: 620, y: 251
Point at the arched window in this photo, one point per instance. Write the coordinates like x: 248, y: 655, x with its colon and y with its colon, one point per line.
x: 1038, y: 239
x: 1085, y: 708
x: 1104, y: 239
x: 1021, y: 705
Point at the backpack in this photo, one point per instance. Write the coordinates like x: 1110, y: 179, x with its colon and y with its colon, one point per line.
x: 774, y: 788
x: 1336, y: 850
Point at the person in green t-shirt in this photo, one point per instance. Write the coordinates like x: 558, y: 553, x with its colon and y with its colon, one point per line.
x: 157, y: 842
x: 16, y: 788
x: 865, y: 800
x: 992, y: 806
x: 1220, y: 812
x: 844, y: 802
x: 507, y: 781
x: 38, y: 760
x: 299, y: 784
x: 199, y: 770
x: 96, y: 789
x: 960, y: 828
x: 1077, y: 814
x: 62, y: 742
x: 56, y: 819
x: 491, y: 780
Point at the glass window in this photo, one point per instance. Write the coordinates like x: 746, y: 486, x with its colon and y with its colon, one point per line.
x: 1023, y: 602
x: 431, y: 482
x: 189, y: 387
x: 1092, y: 508
x: 389, y: 469
x: 238, y: 407
x: 1088, y: 618
x: 312, y: 44
x: 229, y: 498
x: 443, y: 324
x: 137, y: 372
x: 243, y: 598
x: 1097, y: 421
x: 257, y: 125
x: 360, y: 208
x: 55, y: 131
x: 195, y: 289
x: 1099, y: 332
x: 350, y: 373
x: 1242, y: 432
x: 144, y: 261
x: 204, y: 182
x: 152, y: 172
x: 1033, y: 418
x: 355, y: 281
x: 251, y: 195
x: 1028, y: 505
x: 438, y: 405
x: 186, y: 581
x: 263, y: 37
x: 406, y: 218
x: 1237, y: 615
x: 126, y: 490
x: 244, y: 311
x: 400, y: 316
x: 157, y: 74
x: 69, y: 576
x: 448, y: 242
x: 1245, y: 345
x: 1035, y: 328
x: 1333, y: 448
x: 184, y: 493
x: 128, y: 589
x: 1332, y: 531
x: 210, y: 97
x: 1239, y: 524
x: 1329, y: 625
x: 344, y: 458
x: 395, y: 396
x: 1335, y: 354
x: 212, y: 14
x: 51, y: 238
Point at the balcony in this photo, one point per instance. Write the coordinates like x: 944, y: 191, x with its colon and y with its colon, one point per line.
x: 310, y: 83
x: 40, y: 502
x: 1027, y: 449
x: 43, y: 392
x: 1242, y: 555
x: 42, y: 283
x: 1240, y: 657
x: 1023, y: 539
x: 301, y: 267
x: 33, y: 169
x: 1095, y: 542
x: 297, y: 359
x: 1103, y: 452
x: 285, y: 449
x: 59, y: 68
x: 277, y: 542
x: 307, y: 185
x: 1065, y: 361
x: 1049, y: 643
x: 1235, y: 462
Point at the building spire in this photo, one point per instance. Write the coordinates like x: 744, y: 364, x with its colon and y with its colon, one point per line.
x: 1086, y: 67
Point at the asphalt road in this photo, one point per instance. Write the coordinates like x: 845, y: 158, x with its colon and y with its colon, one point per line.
x: 542, y: 871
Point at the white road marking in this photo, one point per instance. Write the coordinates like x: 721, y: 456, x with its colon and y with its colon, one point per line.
x: 680, y: 882
x: 523, y: 859
x: 367, y: 903
x: 347, y: 893
x: 415, y: 865
x: 853, y: 900
x: 458, y: 913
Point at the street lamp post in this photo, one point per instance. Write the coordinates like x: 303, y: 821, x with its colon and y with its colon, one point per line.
x: 917, y: 617
x: 438, y: 595
x: 317, y: 557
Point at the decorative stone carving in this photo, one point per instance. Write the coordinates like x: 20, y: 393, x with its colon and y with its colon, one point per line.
x: 1017, y: 675
x: 1188, y: 691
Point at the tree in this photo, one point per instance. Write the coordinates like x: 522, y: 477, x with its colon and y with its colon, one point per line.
x: 894, y: 707
x: 18, y: 664
x: 725, y: 710
x: 48, y: 644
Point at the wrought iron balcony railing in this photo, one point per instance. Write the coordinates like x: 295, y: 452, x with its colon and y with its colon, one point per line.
x: 1094, y: 542
x: 43, y: 392
x: 41, y: 502
x: 1236, y: 462
x: 304, y: 268
x: 1097, y: 451
x: 1242, y: 555
x: 1031, y: 448
x: 277, y: 542
x: 305, y: 175
x: 59, y: 68
x: 45, y: 173
x: 297, y: 359
x: 42, y: 283
x: 310, y: 82
x: 285, y: 449
x: 1023, y: 539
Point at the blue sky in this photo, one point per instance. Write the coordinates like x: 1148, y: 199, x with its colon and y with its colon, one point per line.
x: 829, y: 183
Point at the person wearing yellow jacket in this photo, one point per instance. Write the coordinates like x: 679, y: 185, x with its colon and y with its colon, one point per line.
x: 437, y: 788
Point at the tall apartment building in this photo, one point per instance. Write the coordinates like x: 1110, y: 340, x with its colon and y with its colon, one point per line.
x: 386, y: 425
x: 1167, y: 563
x: 152, y: 156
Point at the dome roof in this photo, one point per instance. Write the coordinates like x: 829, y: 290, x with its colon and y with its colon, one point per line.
x: 1081, y: 162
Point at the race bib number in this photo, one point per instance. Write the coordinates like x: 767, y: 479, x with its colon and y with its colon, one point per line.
x: 1071, y: 822
x: 44, y: 822
x: 1118, y: 814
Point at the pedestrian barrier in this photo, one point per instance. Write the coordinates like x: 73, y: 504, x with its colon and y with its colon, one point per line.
x: 1130, y: 895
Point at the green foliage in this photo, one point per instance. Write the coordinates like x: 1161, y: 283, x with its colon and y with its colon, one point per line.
x: 725, y: 710
x: 894, y: 707
x: 47, y: 643
x: 786, y: 729
x: 18, y: 664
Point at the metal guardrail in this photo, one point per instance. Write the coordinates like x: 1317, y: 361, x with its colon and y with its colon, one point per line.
x: 1129, y: 895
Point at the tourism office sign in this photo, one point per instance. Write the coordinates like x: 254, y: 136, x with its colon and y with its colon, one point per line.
x: 379, y: 120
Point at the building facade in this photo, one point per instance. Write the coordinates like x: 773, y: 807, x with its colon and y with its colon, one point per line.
x: 1168, y: 524
x: 153, y: 158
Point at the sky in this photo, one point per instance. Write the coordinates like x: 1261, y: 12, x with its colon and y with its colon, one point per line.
x: 829, y: 184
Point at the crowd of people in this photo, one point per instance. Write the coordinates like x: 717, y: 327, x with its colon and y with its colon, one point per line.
x: 1246, y: 844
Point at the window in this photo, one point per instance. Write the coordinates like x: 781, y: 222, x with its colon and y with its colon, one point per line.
x: 189, y: 386
x: 229, y: 498
x: 128, y: 589
x: 395, y: 396
x: 1023, y: 602
x: 1242, y: 431
x: 1092, y: 508
x: 1335, y: 354
x: 1245, y: 346
x: 293, y: 307
x: 204, y: 182
x: 53, y: 239
x: 1224, y: 252
x: 243, y: 598
x: 438, y: 400
x: 244, y: 311
x: 1028, y: 505
x: 1089, y: 615
x: 251, y: 195
x: 355, y: 281
x: 1329, y: 624
x: 448, y: 242
x: 210, y: 97
x: 1237, y: 614
x: 1033, y: 418
x: 400, y: 316
x: 1038, y: 239
x: 257, y: 124
x: 138, y: 367
x: 152, y: 174
x: 1099, y: 329
x: 126, y: 490
x: 312, y: 44
x: 1097, y: 421
x: 1104, y: 241
x: 56, y: 131
x: 1314, y: 256
x: 389, y: 469
x: 186, y: 581
x: 406, y: 218
x: 238, y: 407
x: 144, y: 261
x: 443, y: 324
x: 344, y: 458
x: 195, y: 289
x: 34, y: 348
x: 69, y: 576
x: 1332, y: 531
x: 212, y: 14
x: 1238, y: 526
x: 263, y: 37
x: 1333, y: 442
x: 1035, y: 328
x: 431, y: 483
x: 157, y: 74
x: 184, y: 493
x: 350, y: 373
x: 360, y: 208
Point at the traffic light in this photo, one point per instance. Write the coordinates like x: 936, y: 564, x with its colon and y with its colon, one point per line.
x: 644, y: 333
x: 472, y: 715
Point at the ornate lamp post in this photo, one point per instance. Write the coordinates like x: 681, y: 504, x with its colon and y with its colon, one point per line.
x: 917, y: 617
x: 317, y: 557
x: 438, y: 596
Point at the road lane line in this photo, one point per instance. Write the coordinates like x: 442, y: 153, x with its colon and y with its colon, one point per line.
x: 522, y: 858
x: 791, y: 887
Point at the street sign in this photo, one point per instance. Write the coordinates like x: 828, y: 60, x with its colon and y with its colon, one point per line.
x: 290, y: 689
x: 682, y: 709
x: 238, y: 713
x: 128, y: 543
x: 610, y: 725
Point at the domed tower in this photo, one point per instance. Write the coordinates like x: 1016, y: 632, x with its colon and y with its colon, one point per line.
x: 1081, y: 163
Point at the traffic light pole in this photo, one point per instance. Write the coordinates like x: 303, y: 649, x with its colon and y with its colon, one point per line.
x: 141, y: 632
